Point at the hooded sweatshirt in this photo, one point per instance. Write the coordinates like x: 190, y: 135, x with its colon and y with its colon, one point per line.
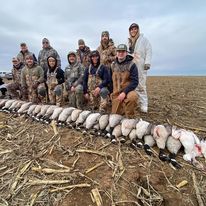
x: 16, y: 72
x: 73, y: 72
x: 56, y: 69
x: 133, y: 74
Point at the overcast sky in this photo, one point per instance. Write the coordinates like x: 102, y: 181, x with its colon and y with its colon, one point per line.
x: 176, y: 29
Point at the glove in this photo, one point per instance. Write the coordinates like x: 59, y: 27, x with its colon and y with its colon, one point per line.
x: 146, y: 66
x: 35, y: 85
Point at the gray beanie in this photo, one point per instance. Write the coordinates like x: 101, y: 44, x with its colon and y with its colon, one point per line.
x: 81, y: 42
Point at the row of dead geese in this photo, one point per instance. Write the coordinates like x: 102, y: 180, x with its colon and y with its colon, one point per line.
x: 117, y: 128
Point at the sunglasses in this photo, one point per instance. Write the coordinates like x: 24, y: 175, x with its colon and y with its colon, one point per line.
x: 45, y: 42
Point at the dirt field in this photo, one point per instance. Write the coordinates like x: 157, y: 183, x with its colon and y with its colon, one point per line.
x: 83, y: 165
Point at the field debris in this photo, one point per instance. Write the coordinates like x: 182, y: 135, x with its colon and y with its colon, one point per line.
x: 47, y: 165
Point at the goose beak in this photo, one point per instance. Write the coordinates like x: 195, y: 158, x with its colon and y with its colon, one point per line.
x: 148, y: 150
x: 73, y: 124
x: 113, y: 139
x: 175, y: 164
x: 70, y: 126
x: 163, y: 156
x: 108, y: 135
x: 122, y: 140
x: 78, y: 128
x: 84, y: 132
x: 93, y: 131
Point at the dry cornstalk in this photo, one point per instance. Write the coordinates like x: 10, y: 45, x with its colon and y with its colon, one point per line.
x: 22, y: 131
x: 120, y: 174
x: 6, y: 151
x: 5, y: 126
x: 96, y: 197
x: 55, y: 163
x: 53, y: 124
x: 120, y: 162
x: 49, y: 170
x: 94, y: 152
x: 170, y: 184
x: 7, y: 172
x: 104, y: 146
x: 95, y: 167
x: 71, y: 187
x: 90, y: 179
x: 50, y: 151
x: 48, y: 182
x: 75, y: 161
x: 33, y: 198
x: 18, y: 176
x: 4, y: 202
x: 182, y: 184
x: 3, y: 168
x: 197, y: 191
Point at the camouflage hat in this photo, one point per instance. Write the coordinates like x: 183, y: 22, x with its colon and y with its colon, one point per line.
x: 23, y: 44
x: 81, y: 42
x: 44, y: 40
x: 133, y: 25
x: 105, y: 33
x: 121, y: 47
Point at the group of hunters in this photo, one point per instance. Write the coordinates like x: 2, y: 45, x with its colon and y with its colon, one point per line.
x: 108, y: 75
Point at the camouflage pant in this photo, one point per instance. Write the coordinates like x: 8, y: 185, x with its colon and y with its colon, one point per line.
x: 56, y: 94
x: 14, y: 90
x: 37, y: 95
x: 99, y: 101
x: 76, y: 97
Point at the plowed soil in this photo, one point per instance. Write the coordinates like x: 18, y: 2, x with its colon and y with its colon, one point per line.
x: 121, y: 175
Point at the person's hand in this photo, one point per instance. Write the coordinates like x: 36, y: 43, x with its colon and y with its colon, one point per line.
x: 86, y: 96
x: 35, y: 85
x: 146, y: 66
x: 97, y: 91
x: 72, y: 89
x: 121, y: 97
x: 136, y: 56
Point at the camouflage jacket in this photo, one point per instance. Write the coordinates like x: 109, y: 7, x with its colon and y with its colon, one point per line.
x: 16, y: 73
x: 73, y: 75
x: 83, y: 56
x: 44, y: 54
x: 107, y: 55
x: 21, y: 56
x: 31, y: 75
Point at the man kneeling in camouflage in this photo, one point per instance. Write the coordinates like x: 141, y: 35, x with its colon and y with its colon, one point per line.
x: 55, y: 80
x: 33, y: 82
x: 96, y: 82
x: 73, y: 81
x: 14, y: 88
